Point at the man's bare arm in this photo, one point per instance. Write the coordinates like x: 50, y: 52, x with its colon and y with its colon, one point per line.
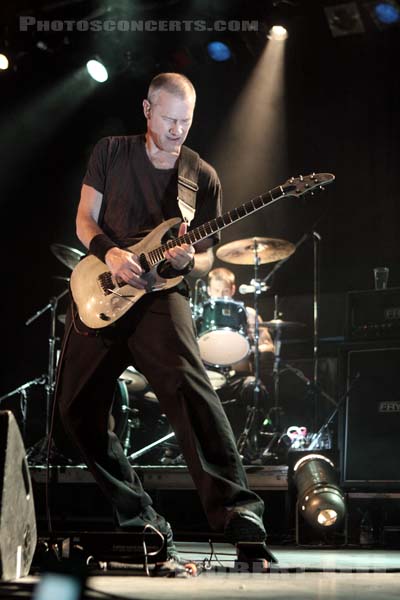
x: 122, y: 264
x: 88, y: 214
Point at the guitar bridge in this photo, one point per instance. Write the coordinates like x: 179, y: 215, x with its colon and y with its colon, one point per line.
x: 106, y: 283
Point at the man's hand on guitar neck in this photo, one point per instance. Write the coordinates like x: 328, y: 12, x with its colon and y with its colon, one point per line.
x: 125, y: 266
x: 180, y: 256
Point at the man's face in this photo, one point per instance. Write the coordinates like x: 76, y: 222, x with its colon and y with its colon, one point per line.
x: 218, y: 288
x: 168, y: 120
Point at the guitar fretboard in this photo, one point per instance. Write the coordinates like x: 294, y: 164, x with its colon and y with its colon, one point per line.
x: 204, y: 231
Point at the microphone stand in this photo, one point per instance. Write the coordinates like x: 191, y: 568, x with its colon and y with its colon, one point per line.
x: 315, y: 388
x: 316, y: 242
x: 281, y: 262
x: 38, y: 451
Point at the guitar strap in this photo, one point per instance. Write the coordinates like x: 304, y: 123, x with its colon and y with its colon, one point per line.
x: 188, y: 176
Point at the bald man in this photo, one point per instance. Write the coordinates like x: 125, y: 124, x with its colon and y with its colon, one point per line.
x: 129, y: 188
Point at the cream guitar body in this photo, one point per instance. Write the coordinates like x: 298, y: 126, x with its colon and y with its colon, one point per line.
x: 100, y: 299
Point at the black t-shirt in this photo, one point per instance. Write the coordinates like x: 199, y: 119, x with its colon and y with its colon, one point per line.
x: 137, y: 196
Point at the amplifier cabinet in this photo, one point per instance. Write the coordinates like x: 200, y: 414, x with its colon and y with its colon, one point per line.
x: 370, y: 416
x: 373, y: 314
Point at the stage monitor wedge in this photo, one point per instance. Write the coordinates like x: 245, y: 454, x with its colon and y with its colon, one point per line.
x: 17, y: 511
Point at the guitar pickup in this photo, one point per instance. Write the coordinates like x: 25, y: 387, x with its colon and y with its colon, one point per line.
x: 106, y: 283
x: 144, y: 263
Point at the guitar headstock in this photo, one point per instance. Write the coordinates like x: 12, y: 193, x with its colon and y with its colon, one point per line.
x: 297, y: 186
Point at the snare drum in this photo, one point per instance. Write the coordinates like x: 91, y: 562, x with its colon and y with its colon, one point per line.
x: 222, y: 332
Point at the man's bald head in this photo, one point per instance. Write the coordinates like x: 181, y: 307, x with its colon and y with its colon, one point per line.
x: 175, y: 84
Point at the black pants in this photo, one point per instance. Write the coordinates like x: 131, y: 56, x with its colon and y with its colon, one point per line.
x: 158, y: 338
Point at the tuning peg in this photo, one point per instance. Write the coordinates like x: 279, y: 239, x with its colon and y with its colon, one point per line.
x: 321, y: 187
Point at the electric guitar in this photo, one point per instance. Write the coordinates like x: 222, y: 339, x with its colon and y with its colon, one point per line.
x: 101, y: 300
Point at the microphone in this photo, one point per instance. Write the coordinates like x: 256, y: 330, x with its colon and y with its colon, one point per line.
x: 249, y: 289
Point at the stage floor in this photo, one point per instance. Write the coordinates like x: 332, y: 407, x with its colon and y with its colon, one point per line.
x: 301, y: 574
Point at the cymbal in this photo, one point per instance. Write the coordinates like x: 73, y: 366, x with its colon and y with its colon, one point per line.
x: 241, y: 252
x: 276, y: 324
x: 68, y: 256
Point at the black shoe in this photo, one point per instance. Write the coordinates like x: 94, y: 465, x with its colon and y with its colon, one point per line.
x: 244, y: 525
x: 256, y: 555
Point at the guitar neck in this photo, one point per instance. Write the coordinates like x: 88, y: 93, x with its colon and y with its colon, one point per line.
x: 211, y: 227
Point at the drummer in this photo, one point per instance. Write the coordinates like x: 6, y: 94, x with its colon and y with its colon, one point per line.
x: 237, y: 395
x: 221, y: 284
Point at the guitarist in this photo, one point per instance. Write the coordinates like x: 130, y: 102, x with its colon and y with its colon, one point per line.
x: 129, y: 188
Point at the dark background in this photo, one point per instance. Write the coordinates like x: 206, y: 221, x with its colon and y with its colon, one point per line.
x: 341, y: 105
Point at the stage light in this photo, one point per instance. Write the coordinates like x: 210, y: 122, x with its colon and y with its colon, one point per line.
x: 384, y: 14
x: 387, y: 13
x: 278, y: 33
x: 319, y: 497
x: 97, y: 70
x: 344, y: 19
x: 219, y: 51
x: 4, y: 64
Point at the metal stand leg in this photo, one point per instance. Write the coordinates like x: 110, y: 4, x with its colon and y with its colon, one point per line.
x: 39, y: 451
x: 250, y: 435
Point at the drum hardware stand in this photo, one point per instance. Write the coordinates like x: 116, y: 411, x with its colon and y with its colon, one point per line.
x: 22, y: 390
x: 314, y: 387
x: 200, y: 291
x: 316, y: 440
x: 48, y: 379
x: 316, y: 298
x: 250, y: 433
x: 39, y: 450
x: 132, y: 457
x: 276, y: 371
x: 133, y: 423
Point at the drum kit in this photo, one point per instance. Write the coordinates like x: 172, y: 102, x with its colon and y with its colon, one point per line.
x: 224, y: 336
x: 224, y: 341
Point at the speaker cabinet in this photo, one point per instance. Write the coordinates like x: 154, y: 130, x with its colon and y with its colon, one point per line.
x: 17, y: 511
x: 370, y: 440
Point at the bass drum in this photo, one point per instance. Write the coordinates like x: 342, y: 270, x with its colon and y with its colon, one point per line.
x: 222, y: 332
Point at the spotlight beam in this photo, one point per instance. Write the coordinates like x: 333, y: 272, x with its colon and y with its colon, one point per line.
x: 252, y: 150
x: 30, y: 126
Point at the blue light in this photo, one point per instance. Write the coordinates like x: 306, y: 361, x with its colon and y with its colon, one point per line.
x: 219, y: 51
x: 387, y: 13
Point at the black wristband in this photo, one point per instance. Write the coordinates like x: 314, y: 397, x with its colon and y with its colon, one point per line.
x: 100, y: 244
x: 167, y: 271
